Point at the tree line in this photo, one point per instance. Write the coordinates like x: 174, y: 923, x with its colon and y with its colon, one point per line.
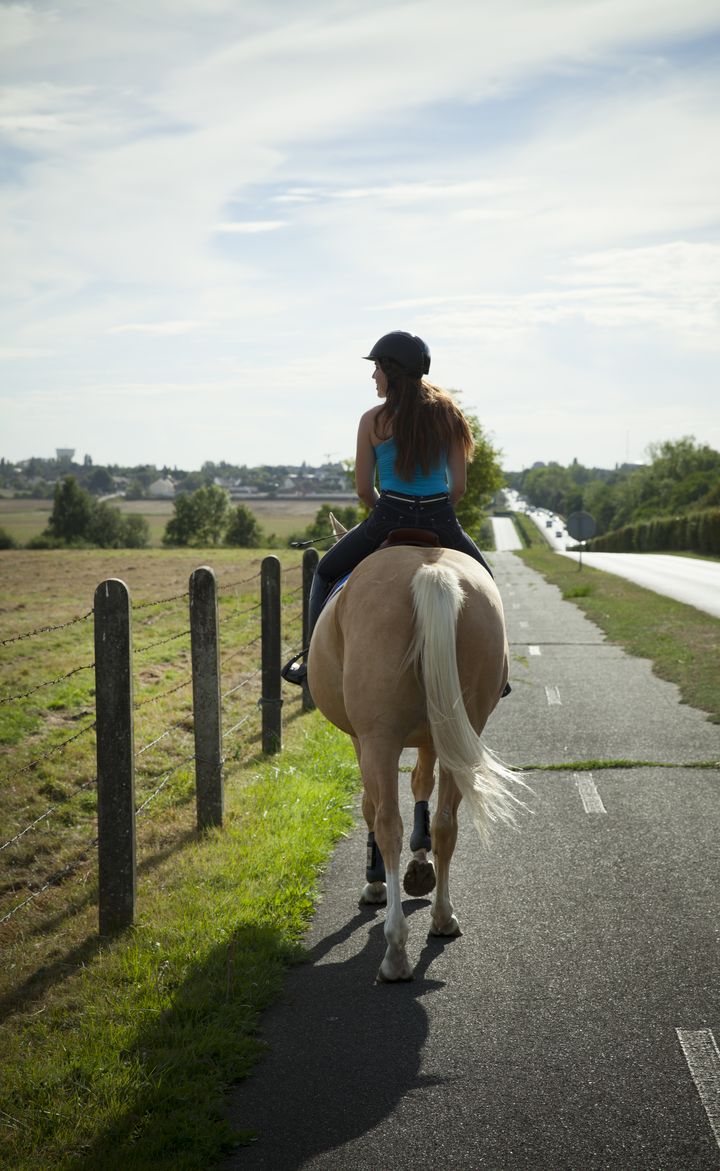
x: 681, y: 476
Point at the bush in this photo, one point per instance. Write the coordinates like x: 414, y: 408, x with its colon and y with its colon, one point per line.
x: 6, y: 541
x: 244, y: 530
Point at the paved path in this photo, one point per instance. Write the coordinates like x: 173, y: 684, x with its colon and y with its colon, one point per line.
x: 546, y: 1036
x: 505, y: 534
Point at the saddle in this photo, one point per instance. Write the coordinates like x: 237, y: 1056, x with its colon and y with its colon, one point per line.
x: 421, y: 537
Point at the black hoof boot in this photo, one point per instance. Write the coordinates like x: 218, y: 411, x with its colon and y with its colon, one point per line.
x: 420, y: 838
x: 375, y: 870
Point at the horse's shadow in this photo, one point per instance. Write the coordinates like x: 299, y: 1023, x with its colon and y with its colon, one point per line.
x: 342, y: 1050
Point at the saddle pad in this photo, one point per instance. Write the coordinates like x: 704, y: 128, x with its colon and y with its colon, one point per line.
x: 336, y: 587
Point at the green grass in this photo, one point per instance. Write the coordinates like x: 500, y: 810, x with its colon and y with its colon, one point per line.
x: 683, y: 643
x: 126, y: 1062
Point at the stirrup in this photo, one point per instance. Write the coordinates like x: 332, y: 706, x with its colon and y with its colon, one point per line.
x: 295, y: 671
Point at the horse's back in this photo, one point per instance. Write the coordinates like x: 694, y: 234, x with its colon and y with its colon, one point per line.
x: 359, y: 672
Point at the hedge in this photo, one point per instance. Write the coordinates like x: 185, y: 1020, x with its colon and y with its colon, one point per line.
x: 695, y: 532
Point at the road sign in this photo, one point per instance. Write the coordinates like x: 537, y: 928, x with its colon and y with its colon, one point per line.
x: 581, y: 526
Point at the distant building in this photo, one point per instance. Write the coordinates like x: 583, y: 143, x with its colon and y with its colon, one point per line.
x: 162, y: 489
x: 65, y: 454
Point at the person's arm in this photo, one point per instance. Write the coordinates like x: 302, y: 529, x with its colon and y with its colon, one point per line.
x: 457, y: 471
x: 365, y: 462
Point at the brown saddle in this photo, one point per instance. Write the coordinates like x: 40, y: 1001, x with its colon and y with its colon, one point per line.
x: 423, y: 537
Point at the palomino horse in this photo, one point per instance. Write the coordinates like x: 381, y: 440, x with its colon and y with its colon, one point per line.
x: 412, y: 652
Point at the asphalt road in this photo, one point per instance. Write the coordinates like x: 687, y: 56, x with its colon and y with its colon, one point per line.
x: 694, y: 581
x: 573, y: 1026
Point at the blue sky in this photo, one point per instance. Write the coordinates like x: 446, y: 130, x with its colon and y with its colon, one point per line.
x: 212, y: 209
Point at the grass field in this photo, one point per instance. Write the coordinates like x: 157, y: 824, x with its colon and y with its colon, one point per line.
x: 116, y: 1054
x: 24, y: 519
x: 104, y: 1043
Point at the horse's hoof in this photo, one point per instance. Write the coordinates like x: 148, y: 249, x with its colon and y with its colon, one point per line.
x: 448, y: 930
x: 374, y: 894
x: 404, y: 975
x: 419, y: 878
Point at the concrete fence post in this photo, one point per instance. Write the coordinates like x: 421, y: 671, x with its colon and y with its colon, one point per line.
x: 115, y: 756
x: 310, y: 560
x: 270, y: 700
x: 207, y: 711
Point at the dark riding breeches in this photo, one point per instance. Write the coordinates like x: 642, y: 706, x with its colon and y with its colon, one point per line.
x: 391, y: 512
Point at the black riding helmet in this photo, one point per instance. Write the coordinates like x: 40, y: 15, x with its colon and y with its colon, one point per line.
x: 405, y: 348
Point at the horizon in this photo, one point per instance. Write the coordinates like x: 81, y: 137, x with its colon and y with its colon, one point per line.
x: 210, y: 213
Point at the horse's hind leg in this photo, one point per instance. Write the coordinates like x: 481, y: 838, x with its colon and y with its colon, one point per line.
x: 374, y: 892
x: 419, y: 877
x: 444, y: 837
x: 379, y: 764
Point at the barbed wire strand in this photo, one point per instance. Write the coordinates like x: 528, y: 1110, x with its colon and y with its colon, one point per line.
x: 180, y: 724
x: 160, y: 601
x: 46, y: 629
x: 46, y: 814
x: 160, y: 642
x: 231, y: 585
x: 54, y: 880
x: 163, y: 783
x: 26, y: 768
x: 48, y: 683
x: 170, y: 691
x: 244, y: 683
x: 239, y: 724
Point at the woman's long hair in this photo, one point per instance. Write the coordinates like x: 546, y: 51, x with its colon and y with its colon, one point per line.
x: 423, y: 419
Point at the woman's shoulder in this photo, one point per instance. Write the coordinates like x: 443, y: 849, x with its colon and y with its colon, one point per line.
x: 368, y: 425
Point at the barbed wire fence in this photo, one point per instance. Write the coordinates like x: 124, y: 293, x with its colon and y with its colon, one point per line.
x: 213, y: 709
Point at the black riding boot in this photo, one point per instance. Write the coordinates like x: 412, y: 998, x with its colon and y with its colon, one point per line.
x: 296, y: 670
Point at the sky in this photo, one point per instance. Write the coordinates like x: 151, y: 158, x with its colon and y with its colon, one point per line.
x: 211, y: 209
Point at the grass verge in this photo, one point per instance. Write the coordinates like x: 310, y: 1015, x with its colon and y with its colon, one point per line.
x: 124, y: 1063
x: 683, y: 643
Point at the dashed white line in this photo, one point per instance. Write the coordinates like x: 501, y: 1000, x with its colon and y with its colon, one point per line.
x: 534, y: 650
x: 703, y: 1058
x: 553, y: 695
x: 591, y: 799
x: 524, y: 625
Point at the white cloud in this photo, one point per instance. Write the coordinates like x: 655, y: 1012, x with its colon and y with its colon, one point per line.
x: 550, y: 171
x: 250, y: 227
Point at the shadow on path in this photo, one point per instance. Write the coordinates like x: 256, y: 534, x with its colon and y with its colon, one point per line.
x: 343, y: 1050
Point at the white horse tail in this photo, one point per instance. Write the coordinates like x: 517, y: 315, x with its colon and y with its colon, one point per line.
x: 482, y: 779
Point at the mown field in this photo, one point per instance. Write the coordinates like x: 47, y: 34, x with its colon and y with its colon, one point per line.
x: 24, y: 519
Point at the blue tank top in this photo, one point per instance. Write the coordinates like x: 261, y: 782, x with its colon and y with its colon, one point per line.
x: 432, y: 484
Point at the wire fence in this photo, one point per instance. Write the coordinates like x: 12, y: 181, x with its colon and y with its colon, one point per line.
x: 52, y: 778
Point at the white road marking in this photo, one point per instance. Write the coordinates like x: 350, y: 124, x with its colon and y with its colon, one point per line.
x: 589, y: 795
x: 524, y: 625
x: 553, y: 695
x: 534, y: 650
x: 703, y: 1058
x: 516, y: 605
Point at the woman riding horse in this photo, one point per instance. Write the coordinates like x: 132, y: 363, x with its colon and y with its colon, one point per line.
x: 419, y: 442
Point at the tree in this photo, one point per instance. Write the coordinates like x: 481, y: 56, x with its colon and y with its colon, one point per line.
x: 72, y: 510
x: 200, y: 518
x: 100, y: 481
x: 243, y: 530
x: 484, y: 478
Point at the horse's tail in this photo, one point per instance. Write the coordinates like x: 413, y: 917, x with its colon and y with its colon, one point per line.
x: 483, y: 780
